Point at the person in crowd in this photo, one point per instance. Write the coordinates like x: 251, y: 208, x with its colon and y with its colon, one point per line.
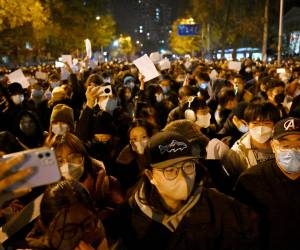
x: 161, y: 105
x: 184, y: 94
x: 227, y: 101
x: 96, y: 126
x: 29, y: 130
x: 254, y: 146
x: 61, y: 121
x: 38, y: 103
x: 235, y: 126
x: 71, y: 224
x: 10, y: 143
x: 131, y: 160
x: 172, y: 208
x: 272, y: 188
x: 197, y: 111
x: 5, y: 103
x: 239, y: 89
x: 276, y: 93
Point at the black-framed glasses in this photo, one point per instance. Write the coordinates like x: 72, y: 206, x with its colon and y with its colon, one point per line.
x: 188, y: 167
x: 70, y: 230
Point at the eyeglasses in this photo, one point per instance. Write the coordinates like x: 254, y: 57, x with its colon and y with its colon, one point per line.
x: 70, y: 230
x: 171, y: 173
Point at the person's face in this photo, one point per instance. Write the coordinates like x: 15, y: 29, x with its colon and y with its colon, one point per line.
x: 73, y: 225
x: 27, y: 125
x: 231, y: 104
x: 171, y: 187
x: 138, y: 134
x: 239, y: 84
x: 64, y: 154
x: 284, y: 144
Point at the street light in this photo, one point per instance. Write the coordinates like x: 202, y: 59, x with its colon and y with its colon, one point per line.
x: 98, y: 18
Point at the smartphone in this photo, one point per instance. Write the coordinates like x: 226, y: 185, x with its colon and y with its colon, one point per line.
x: 105, y: 90
x: 46, y: 169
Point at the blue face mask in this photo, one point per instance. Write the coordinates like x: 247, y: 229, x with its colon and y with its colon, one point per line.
x: 289, y: 160
x: 165, y: 89
x: 203, y: 85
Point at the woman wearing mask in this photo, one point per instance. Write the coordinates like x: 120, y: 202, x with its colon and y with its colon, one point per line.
x: 172, y: 209
x: 197, y: 111
x: 61, y: 121
x: 131, y: 160
x: 254, y: 146
x: 68, y: 225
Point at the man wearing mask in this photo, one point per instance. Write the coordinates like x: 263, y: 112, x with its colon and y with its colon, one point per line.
x: 254, y: 146
x: 172, y: 208
x: 276, y: 94
x: 272, y: 188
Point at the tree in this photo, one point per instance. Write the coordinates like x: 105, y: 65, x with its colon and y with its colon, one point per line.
x: 183, y: 44
x: 14, y: 14
x: 232, y: 23
x: 21, y: 24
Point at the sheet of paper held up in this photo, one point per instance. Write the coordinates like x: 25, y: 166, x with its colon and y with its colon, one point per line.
x: 234, y: 65
x: 18, y: 76
x: 146, y: 67
x: 88, y: 48
x: 68, y: 59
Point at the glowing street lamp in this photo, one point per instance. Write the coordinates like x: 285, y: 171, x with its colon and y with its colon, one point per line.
x: 98, y: 18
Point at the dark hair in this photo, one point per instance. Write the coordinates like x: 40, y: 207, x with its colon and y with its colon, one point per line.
x: 93, y: 78
x: 273, y: 83
x: 226, y: 94
x: 76, y: 145
x: 185, y: 91
x: 203, y: 76
x: 262, y: 111
x: 141, y: 123
x: 197, y: 103
x: 63, y: 195
x: 10, y: 143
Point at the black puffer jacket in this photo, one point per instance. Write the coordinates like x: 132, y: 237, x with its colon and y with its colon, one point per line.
x: 215, y: 222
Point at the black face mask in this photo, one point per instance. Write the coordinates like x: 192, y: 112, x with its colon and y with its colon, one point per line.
x: 279, y: 98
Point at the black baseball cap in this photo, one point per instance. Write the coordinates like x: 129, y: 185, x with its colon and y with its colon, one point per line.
x: 167, y: 148
x: 287, y: 126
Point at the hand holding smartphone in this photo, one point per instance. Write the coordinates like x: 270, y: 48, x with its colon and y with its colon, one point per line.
x: 45, y: 169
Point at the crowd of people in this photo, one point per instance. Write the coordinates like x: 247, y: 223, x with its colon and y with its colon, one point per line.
x: 201, y: 157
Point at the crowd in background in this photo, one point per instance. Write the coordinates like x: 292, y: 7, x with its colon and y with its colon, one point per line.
x: 163, y: 164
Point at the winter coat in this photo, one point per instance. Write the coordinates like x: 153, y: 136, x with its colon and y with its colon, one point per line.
x: 276, y: 198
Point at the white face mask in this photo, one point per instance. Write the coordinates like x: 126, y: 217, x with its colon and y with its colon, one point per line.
x: 60, y: 129
x: 261, y: 134
x: 178, y: 189
x: 243, y: 128
x: 203, y: 121
x: 159, y: 97
x: 72, y: 171
x: 139, y: 146
x: 17, y: 99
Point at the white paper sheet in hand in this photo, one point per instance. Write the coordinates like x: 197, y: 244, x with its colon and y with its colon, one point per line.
x: 146, y: 67
x: 67, y: 58
x: 233, y: 65
x: 41, y: 75
x: 164, y: 64
x: 18, y: 76
x: 88, y: 48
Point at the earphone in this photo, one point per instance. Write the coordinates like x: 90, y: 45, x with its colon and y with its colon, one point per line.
x: 189, y: 113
